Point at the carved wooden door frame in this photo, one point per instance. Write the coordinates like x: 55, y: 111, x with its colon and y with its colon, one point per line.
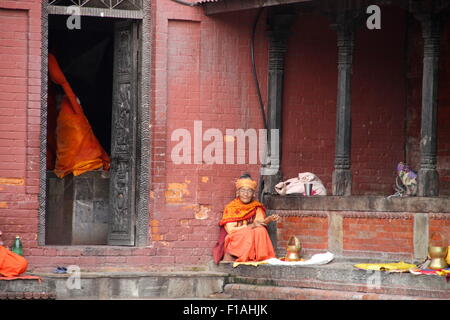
x: 142, y: 140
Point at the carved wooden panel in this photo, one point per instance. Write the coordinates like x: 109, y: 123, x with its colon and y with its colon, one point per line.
x: 123, y: 136
x: 120, y: 199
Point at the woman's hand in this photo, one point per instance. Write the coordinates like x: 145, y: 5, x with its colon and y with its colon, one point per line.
x: 272, y: 218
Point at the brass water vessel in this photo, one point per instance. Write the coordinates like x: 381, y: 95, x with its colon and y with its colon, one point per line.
x: 437, y: 255
x: 293, y: 249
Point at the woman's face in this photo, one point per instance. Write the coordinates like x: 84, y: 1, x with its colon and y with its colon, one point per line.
x: 245, y: 194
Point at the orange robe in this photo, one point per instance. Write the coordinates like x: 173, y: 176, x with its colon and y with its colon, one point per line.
x: 11, y: 264
x: 77, y: 148
x: 247, y: 244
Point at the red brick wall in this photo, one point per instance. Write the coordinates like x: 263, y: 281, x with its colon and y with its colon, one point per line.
x: 439, y: 230
x: 414, y: 97
x: 311, y: 231
x: 208, y: 79
x: 443, y: 162
x: 19, y: 119
x: 309, y: 100
x: 378, y: 235
x: 415, y: 57
x: 370, y: 234
x: 201, y: 71
x: 378, y: 102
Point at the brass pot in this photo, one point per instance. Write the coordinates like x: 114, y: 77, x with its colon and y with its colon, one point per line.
x: 437, y: 256
x: 293, y: 249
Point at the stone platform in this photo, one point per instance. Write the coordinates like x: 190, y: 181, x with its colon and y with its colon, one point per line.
x: 338, y: 280
x: 117, y: 285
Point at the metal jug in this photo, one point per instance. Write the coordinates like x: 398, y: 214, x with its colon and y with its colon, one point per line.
x: 437, y: 256
x: 293, y: 249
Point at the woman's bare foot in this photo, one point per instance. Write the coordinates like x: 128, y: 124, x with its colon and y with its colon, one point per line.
x: 228, y: 258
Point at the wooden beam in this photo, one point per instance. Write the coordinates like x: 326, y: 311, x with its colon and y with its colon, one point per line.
x: 428, y: 180
x: 279, y: 31
x: 238, y: 5
x: 344, y: 22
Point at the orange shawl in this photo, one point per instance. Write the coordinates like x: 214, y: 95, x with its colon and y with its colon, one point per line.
x: 238, y: 211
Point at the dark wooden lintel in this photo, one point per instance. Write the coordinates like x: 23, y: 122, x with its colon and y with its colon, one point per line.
x: 238, y: 5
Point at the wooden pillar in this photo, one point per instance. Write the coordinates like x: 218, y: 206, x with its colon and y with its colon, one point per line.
x: 342, y: 175
x: 279, y: 31
x: 428, y: 178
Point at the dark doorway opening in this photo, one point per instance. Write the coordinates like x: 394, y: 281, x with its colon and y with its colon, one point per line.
x: 86, y: 59
x: 78, y: 209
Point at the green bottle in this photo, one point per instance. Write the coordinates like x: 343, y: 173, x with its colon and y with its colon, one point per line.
x: 17, y: 246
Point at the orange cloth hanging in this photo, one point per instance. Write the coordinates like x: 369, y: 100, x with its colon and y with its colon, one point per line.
x: 11, y: 264
x: 78, y: 150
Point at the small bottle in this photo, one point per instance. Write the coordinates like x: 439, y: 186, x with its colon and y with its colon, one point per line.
x: 17, y: 246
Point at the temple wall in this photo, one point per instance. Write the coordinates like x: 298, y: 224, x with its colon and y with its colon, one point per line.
x: 20, y: 63
x: 413, y: 116
x: 378, y: 102
x: 201, y: 71
x: 370, y: 234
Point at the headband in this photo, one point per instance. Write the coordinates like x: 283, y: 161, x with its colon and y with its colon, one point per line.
x: 246, y: 182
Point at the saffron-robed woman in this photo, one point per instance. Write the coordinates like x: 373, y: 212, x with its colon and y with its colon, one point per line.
x: 244, y: 234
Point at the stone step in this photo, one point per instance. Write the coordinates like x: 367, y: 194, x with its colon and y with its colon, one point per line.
x: 118, y: 285
x: 340, y: 277
x: 258, y: 292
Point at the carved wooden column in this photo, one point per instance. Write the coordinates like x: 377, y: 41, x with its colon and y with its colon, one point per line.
x: 342, y: 175
x: 279, y: 23
x: 428, y: 179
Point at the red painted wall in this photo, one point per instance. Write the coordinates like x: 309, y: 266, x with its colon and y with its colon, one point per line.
x: 19, y: 119
x: 378, y: 235
x: 309, y: 100
x: 208, y: 79
x: 378, y: 102
x: 443, y: 162
x: 201, y: 71
x: 415, y: 52
x: 312, y: 231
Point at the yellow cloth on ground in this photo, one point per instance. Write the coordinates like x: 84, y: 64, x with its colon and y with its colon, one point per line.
x: 249, y: 263
x: 391, y: 267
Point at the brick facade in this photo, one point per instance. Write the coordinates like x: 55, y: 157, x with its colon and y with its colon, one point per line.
x: 312, y: 231
x: 202, y: 71
x: 20, y: 42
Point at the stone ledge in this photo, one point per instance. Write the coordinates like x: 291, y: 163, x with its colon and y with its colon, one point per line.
x: 27, y: 296
x: 360, y: 203
x: 123, y: 274
x: 252, y: 292
x: 119, y: 285
x: 340, y: 276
